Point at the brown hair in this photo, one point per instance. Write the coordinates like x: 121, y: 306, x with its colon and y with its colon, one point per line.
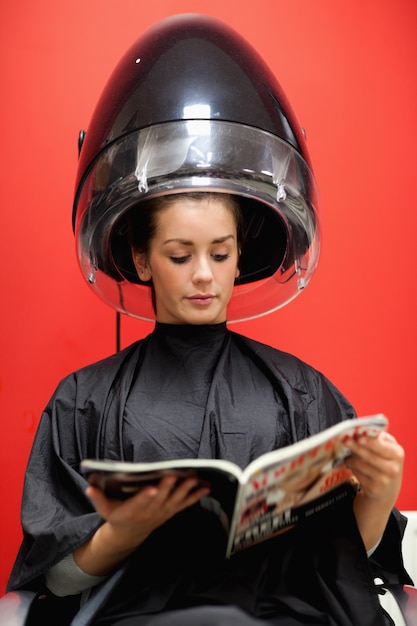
x: 143, y: 220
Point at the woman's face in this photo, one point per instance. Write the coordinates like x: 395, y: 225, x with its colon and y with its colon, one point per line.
x: 192, y: 261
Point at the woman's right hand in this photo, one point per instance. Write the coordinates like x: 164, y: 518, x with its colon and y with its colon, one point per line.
x: 129, y: 522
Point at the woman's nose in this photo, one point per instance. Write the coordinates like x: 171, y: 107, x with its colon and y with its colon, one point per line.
x: 202, y: 271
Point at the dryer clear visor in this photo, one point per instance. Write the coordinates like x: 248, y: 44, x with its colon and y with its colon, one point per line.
x: 274, y: 182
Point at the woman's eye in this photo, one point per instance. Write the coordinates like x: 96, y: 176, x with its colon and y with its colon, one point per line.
x: 179, y: 259
x: 220, y: 257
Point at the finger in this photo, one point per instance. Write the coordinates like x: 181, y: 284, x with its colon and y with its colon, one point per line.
x: 103, y: 505
x: 362, y: 471
x: 384, y: 446
x: 192, y: 497
x: 97, y: 496
x: 375, y: 473
x: 186, y: 489
x: 164, y: 496
x: 373, y: 464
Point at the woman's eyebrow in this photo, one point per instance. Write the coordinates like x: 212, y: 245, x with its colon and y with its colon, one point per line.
x: 186, y: 242
x: 223, y: 239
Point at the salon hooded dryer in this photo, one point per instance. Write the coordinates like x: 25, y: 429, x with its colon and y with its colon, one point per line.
x: 191, y: 106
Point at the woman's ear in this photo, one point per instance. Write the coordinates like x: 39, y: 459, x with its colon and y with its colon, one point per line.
x: 141, y: 265
x: 237, y: 267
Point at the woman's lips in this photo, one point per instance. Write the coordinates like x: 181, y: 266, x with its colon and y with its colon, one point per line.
x: 201, y: 299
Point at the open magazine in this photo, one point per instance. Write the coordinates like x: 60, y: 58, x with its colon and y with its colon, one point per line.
x: 272, y: 494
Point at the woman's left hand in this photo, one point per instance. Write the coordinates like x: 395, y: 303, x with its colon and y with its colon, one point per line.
x: 377, y: 463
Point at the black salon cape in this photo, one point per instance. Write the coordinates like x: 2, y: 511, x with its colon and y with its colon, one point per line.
x: 317, y: 574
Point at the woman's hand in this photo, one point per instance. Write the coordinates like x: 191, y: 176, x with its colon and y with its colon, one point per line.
x: 129, y: 522
x: 377, y: 462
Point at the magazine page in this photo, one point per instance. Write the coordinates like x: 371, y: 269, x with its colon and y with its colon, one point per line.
x: 301, y: 480
x: 121, y: 479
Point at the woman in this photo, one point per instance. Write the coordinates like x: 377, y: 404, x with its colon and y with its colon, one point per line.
x: 152, y: 247
x: 180, y: 400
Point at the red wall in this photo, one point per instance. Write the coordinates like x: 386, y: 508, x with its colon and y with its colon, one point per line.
x: 349, y: 68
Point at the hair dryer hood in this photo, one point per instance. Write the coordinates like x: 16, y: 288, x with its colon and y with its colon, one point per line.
x: 191, y: 106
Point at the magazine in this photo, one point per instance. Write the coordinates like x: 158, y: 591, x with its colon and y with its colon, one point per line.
x: 272, y: 494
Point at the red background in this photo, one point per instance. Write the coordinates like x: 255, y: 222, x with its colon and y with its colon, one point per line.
x: 349, y: 69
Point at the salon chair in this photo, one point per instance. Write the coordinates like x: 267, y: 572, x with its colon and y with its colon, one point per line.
x: 27, y: 608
